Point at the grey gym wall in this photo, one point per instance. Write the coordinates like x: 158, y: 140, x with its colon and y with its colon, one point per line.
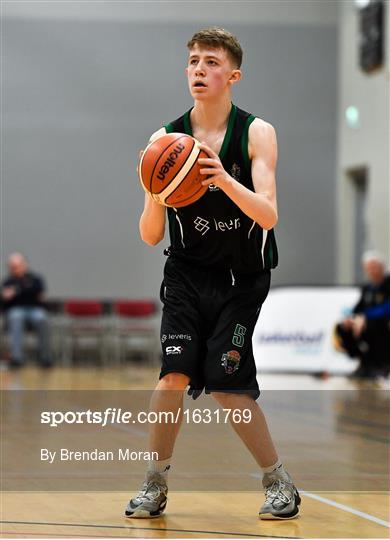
x: 83, y: 94
x: 365, y: 145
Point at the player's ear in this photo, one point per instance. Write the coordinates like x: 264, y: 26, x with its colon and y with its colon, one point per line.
x: 235, y: 76
x: 186, y: 70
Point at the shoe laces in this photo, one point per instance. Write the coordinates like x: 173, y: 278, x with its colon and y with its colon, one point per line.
x: 277, y: 490
x: 150, y: 491
x: 142, y: 491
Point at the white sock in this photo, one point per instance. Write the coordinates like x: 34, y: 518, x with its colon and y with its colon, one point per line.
x: 272, y: 468
x: 279, y: 471
x: 161, y: 466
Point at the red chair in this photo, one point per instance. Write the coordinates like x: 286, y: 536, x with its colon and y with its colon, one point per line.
x: 83, y: 308
x: 86, y: 329
x: 135, y: 328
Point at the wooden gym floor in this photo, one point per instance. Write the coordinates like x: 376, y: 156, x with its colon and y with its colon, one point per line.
x: 338, y: 453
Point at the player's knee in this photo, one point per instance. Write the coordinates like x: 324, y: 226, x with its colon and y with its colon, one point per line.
x: 174, y: 381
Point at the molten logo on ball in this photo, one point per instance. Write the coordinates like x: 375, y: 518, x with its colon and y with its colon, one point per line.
x: 170, y: 161
x: 169, y: 170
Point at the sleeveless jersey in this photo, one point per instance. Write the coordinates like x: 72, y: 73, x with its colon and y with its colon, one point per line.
x: 213, y: 232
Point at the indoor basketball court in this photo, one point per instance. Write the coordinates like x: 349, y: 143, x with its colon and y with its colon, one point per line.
x: 101, y: 187
x: 344, y: 451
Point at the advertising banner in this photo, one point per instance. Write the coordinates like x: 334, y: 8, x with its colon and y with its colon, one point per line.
x: 295, y: 329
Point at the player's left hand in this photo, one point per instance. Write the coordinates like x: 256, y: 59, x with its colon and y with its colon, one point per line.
x: 213, y: 168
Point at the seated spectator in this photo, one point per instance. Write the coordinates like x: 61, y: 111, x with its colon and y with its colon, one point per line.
x: 22, y: 296
x: 366, y: 334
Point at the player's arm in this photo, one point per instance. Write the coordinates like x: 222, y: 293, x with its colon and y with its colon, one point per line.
x: 152, y: 221
x: 259, y: 205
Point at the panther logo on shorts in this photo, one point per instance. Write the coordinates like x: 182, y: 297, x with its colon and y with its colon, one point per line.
x: 231, y: 361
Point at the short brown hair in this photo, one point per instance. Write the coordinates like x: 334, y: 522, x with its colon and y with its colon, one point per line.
x: 218, y: 38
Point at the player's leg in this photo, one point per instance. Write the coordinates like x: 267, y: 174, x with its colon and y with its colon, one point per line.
x: 282, y: 498
x: 233, y: 382
x: 167, y: 399
x: 181, y: 341
x: 254, y: 434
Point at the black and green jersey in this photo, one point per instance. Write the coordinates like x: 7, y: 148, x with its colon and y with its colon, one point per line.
x: 213, y: 232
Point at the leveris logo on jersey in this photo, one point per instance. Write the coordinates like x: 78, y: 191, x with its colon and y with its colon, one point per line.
x: 202, y: 225
x: 164, y: 337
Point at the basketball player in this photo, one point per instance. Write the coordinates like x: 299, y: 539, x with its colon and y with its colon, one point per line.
x: 217, y: 274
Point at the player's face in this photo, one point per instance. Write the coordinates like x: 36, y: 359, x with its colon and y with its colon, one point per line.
x: 210, y: 72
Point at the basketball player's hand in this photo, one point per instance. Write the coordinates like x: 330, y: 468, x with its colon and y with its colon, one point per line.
x: 213, y: 168
x: 147, y: 194
x: 140, y: 154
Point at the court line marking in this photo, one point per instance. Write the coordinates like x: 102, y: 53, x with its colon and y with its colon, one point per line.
x: 349, y: 509
x: 59, y: 535
x: 160, y: 529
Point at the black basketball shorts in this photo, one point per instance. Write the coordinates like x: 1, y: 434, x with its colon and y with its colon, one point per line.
x: 207, y: 326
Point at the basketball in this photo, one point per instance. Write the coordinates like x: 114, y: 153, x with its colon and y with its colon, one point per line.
x: 169, y: 170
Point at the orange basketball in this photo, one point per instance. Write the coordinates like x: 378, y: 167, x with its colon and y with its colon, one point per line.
x: 169, y: 170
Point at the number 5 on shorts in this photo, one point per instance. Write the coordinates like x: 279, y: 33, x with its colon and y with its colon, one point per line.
x: 238, y: 336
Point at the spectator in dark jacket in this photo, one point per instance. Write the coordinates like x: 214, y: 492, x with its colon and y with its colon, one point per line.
x: 22, y: 301
x: 366, y: 334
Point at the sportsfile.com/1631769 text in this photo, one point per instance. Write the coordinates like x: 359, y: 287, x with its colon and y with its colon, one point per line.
x: 112, y: 416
